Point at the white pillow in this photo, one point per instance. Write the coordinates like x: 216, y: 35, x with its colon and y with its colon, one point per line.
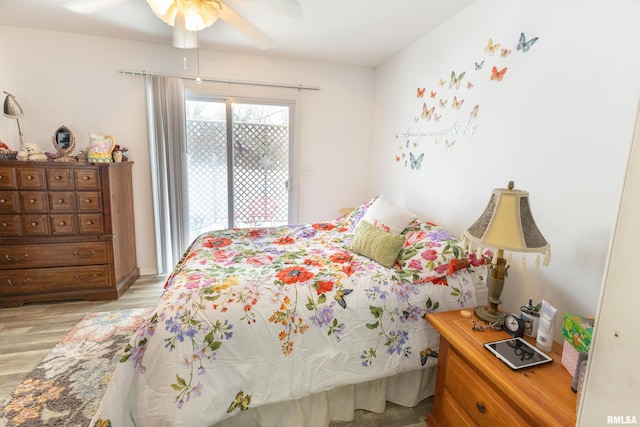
x: 387, y: 216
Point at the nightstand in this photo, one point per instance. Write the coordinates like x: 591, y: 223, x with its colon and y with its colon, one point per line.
x: 473, y: 387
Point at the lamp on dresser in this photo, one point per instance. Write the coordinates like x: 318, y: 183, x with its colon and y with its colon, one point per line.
x: 13, y: 110
x: 505, y: 225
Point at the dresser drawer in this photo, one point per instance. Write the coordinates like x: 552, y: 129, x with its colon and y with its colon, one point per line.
x: 35, y: 225
x: 91, y: 223
x: 476, y: 397
x: 32, y: 179
x: 57, y: 279
x: 59, y: 179
x: 9, y: 225
x: 8, y: 178
x: 9, y: 202
x: 64, y: 224
x: 34, y: 201
x: 89, y: 201
x: 54, y: 255
x: 87, y: 179
x: 60, y: 201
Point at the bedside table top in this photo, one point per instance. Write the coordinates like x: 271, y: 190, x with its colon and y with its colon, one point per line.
x: 544, y: 390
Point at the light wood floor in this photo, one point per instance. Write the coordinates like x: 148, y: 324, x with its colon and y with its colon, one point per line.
x: 27, y: 333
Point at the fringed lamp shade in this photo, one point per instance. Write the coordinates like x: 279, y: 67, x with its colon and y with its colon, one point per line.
x: 505, y: 225
x: 198, y: 14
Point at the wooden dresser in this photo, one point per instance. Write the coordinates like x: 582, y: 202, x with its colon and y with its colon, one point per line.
x: 66, y: 231
x: 474, y: 388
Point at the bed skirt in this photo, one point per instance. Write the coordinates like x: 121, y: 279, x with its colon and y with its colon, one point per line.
x: 339, y: 404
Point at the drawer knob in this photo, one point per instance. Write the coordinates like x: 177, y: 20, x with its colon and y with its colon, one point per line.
x: 58, y: 178
x: 88, y: 201
x: 61, y: 223
x: 4, y: 224
x: 8, y: 258
x: 85, y: 178
x: 34, y: 224
x: 89, y: 222
x: 2, y: 201
x: 87, y: 255
x: 60, y: 201
x: 32, y: 201
x: 24, y: 282
x: 29, y: 177
x: 481, y: 407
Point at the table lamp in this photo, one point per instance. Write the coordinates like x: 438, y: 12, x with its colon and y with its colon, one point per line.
x: 505, y: 225
x: 13, y: 110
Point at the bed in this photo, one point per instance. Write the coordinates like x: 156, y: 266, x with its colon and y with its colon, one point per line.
x: 295, y: 325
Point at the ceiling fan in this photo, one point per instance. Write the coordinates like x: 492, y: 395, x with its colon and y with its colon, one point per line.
x: 187, y: 17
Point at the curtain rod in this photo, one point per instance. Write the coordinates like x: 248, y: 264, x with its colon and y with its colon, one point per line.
x: 216, y: 80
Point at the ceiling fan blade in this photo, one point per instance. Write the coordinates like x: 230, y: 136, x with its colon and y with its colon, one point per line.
x: 230, y: 16
x: 287, y: 7
x: 89, y: 6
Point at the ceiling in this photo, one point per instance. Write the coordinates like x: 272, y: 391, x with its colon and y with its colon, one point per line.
x: 354, y: 32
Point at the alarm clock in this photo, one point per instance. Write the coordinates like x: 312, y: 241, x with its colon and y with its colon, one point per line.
x: 513, y: 325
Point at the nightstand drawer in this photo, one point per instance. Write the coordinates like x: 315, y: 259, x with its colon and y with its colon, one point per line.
x: 477, y: 397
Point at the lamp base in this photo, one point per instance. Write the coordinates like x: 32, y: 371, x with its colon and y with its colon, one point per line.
x: 490, y: 314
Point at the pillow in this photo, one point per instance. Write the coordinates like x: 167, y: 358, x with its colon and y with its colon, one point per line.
x: 377, y: 244
x: 387, y: 216
x: 352, y: 219
x: 430, y: 252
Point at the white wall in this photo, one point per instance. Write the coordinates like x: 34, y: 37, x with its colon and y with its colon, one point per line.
x: 69, y: 79
x: 559, y: 124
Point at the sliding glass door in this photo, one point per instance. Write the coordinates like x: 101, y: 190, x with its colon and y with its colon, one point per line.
x: 238, y: 163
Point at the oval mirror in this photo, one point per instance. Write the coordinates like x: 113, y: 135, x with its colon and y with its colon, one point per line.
x: 64, y: 142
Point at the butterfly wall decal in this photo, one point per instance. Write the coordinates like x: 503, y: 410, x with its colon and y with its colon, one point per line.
x: 437, y: 117
x: 421, y: 92
x: 456, y: 104
x: 443, y: 103
x: 525, y: 45
x: 442, y: 82
x: 479, y: 65
x: 433, y: 94
x: 474, y: 112
x: 416, y: 162
x: 505, y: 52
x: 449, y: 144
x: 498, y: 75
x: 455, y: 81
x: 427, y: 112
x: 469, y: 85
x: 491, y: 47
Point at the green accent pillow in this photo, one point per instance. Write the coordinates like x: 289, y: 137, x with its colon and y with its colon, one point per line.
x: 377, y: 244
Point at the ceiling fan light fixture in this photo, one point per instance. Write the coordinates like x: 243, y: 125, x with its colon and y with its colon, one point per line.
x: 198, y: 14
x: 164, y: 9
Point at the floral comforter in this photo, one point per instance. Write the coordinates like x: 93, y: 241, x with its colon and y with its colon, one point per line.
x: 256, y: 316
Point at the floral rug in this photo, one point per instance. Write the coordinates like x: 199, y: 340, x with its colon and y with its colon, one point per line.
x: 66, y: 387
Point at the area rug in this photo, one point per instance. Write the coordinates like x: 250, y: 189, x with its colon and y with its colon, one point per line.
x: 66, y: 387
